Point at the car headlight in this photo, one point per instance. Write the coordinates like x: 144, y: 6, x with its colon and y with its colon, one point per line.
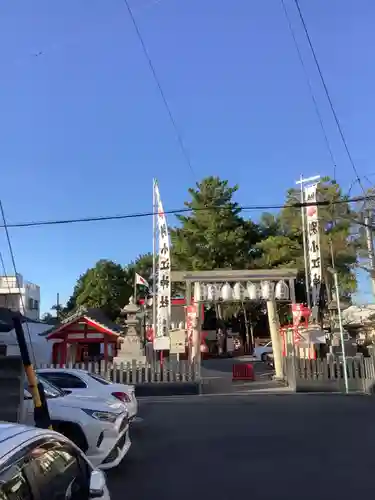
x: 103, y: 416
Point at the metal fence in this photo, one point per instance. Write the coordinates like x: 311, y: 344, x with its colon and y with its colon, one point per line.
x: 138, y: 373
x: 327, y: 375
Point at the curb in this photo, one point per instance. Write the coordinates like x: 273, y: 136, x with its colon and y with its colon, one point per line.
x: 260, y: 392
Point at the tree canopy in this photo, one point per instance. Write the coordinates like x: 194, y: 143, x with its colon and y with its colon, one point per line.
x: 283, y: 244
x: 216, y: 235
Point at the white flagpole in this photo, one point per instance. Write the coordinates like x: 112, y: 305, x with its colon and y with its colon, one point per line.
x: 153, y: 259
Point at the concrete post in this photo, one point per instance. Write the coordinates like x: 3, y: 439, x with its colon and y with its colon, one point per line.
x: 274, y: 325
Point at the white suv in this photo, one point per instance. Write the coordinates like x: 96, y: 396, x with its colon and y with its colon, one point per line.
x: 83, y: 382
x: 99, y: 427
x: 38, y: 463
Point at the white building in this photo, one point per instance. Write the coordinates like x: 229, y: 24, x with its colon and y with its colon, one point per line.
x: 25, y: 299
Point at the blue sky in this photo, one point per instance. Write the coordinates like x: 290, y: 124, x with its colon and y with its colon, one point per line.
x: 83, y: 129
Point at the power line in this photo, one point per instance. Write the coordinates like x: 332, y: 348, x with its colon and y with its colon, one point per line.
x: 160, y: 88
x: 315, y: 103
x: 328, y: 95
x: 181, y: 211
x: 6, y: 277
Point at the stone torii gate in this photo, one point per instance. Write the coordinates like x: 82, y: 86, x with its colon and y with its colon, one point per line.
x: 195, y: 279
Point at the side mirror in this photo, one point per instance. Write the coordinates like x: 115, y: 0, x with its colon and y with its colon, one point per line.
x: 97, y: 484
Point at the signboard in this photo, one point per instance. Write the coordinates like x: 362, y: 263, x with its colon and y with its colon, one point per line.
x: 162, y: 343
x: 178, y: 341
x: 163, y: 315
x: 313, y: 241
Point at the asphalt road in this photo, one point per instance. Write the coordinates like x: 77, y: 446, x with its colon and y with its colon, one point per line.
x: 254, y: 446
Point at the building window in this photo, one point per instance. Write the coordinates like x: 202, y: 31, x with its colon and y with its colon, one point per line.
x: 32, y: 304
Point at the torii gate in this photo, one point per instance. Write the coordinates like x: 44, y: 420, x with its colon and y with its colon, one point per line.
x: 199, y: 279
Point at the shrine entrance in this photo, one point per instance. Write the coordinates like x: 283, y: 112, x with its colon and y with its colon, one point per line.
x: 241, y: 286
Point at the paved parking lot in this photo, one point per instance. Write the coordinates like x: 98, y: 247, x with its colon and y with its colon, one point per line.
x: 265, y: 446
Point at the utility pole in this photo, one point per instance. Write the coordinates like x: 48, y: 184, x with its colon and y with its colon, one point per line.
x: 370, y: 247
x: 58, y: 306
x: 301, y: 182
x: 337, y: 291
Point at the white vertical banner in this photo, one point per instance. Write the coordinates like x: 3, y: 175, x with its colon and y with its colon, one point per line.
x: 163, y: 315
x: 313, y: 237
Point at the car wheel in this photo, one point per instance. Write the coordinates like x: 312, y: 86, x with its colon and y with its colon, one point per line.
x: 264, y: 357
x: 72, y: 432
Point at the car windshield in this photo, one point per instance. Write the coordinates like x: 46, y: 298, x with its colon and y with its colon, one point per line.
x: 50, y: 390
x: 99, y: 379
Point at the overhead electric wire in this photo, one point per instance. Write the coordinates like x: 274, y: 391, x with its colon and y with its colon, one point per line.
x: 181, y: 211
x: 309, y: 84
x: 5, y: 276
x: 160, y: 88
x: 16, y: 275
x: 334, y: 113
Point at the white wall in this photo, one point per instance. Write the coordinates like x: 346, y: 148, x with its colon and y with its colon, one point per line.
x: 29, y: 304
x: 38, y: 346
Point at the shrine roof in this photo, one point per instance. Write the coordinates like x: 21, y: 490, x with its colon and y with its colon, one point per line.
x: 92, y: 315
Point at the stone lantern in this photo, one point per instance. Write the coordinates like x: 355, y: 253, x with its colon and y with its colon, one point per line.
x: 130, y: 348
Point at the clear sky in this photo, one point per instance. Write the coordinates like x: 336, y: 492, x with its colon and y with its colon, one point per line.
x: 83, y: 129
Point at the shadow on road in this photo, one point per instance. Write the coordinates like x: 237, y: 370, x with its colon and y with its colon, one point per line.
x: 269, y: 447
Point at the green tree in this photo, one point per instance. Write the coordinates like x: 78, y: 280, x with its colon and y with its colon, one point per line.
x: 49, y: 319
x: 215, y: 235
x: 104, y: 286
x: 282, y: 244
x: 143, y: 266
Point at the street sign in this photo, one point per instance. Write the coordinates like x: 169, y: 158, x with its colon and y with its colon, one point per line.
x: 178, y: 341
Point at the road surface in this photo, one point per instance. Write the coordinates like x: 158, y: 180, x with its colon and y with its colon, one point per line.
x: 256, y: 446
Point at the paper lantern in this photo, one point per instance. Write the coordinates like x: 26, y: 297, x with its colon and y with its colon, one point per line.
x: 252, y: 290
x: 282, y: 291
x: 238, y: 292
x: 267, y: 290
x: 200, y: 292
x: 212, y: 292
x: 226, y: 292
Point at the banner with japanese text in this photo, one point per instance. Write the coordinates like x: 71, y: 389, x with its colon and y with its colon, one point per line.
x: 163, y: 315
x: 313, y: 238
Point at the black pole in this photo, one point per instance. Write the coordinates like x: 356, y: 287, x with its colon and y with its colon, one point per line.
x: 41, y: 413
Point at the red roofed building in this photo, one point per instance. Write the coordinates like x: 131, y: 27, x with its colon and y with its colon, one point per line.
x: 87, y: 335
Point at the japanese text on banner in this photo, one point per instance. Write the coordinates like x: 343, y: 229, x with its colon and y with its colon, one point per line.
x: 313, y: 238
x: 164, y: 272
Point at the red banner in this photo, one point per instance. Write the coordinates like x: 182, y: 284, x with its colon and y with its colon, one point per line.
x: 191, y: 318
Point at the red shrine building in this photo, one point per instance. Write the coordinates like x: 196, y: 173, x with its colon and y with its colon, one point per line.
x: 85, y: 336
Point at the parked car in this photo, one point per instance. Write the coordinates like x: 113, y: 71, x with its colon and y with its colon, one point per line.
x: 38, y: 463
x: 83, y: 382
x: 99, y: 427
x: 260, y: 352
